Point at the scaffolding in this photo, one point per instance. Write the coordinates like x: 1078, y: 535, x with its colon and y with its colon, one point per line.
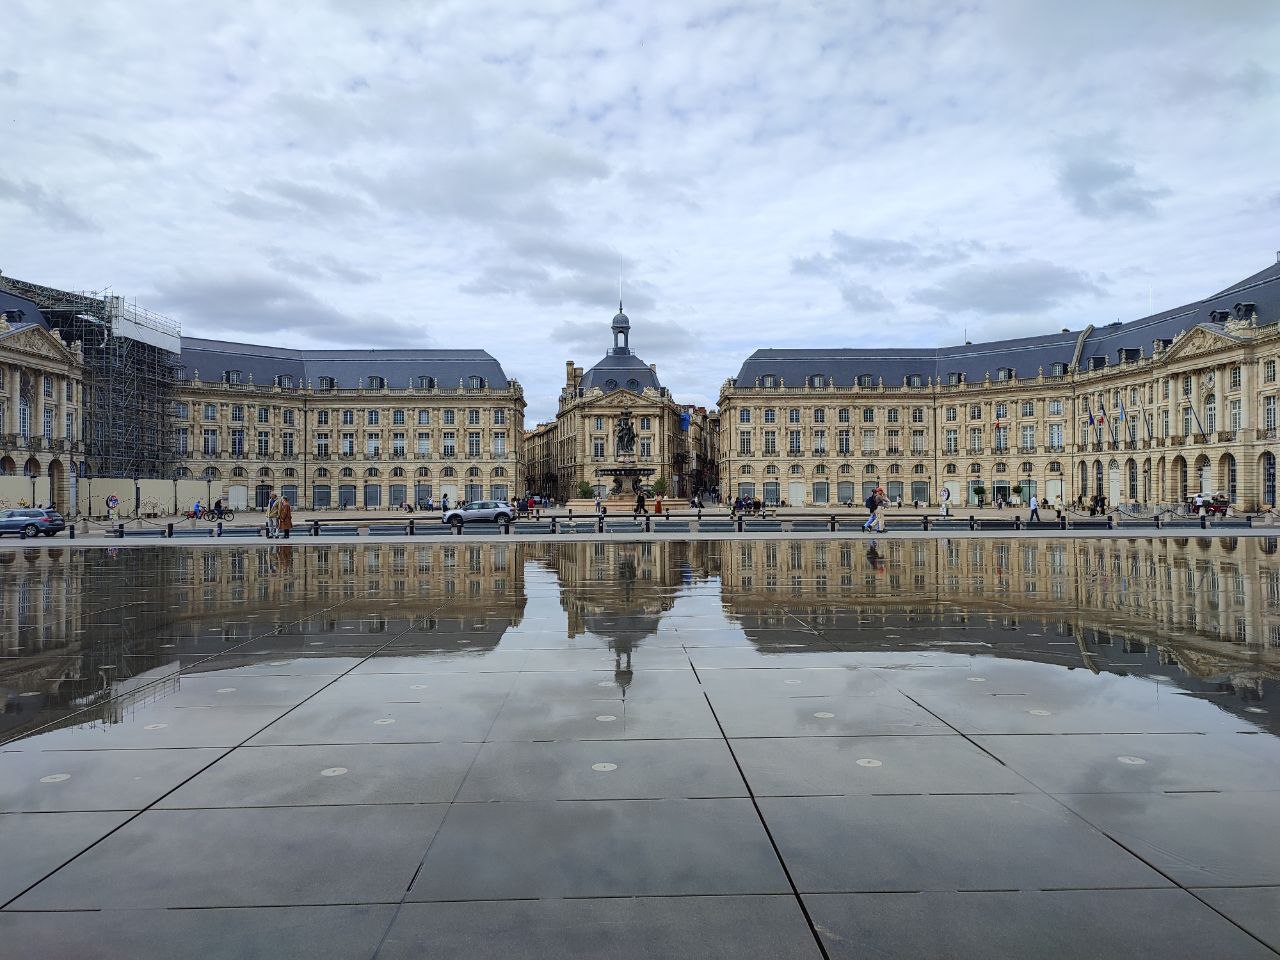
x: 131, y: 359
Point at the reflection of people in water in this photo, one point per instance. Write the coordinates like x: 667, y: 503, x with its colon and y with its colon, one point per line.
x: 874, y: 557
x: 284, y: 557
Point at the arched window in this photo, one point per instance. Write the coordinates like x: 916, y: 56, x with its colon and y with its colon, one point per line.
x: 232, y: 377
x: 845, y: 468
x: 869, y: 468
x: 1026, y: 466
x: 265, y: 473
x: 424, y: 471
x: 372, y: 472
x: 473, y: 471
x: 1001, y: 467
x: 448, y: 472
x: 211, y: 473
x: 633, y: 385
x: 284, y: 381
x: 1210, y: 413
x: 950, y: 468
x: 239, y: 472
x: 347, y: 472
x: 397, y: 471
x: 325, y: 383
x: 895, y: 468
x: 610, y: 385
x: 745, y: 470
x: 918, y: 468
x: 290, y: 472
x: 322, y: 472
x: 975, y: 468
x: 796, y: 469
x: 820, y: 469
x: 498, y: 472
x: 1055, y: 466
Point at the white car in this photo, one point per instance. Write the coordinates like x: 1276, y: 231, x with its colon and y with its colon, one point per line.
x: 495, y: 511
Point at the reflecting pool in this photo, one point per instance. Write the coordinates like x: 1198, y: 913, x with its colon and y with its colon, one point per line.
x: 963, y: 748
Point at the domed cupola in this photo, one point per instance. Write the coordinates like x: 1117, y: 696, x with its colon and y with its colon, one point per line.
x: 621, y: 329
x: 621, y: 369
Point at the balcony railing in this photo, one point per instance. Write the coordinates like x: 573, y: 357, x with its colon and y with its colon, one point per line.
x: 1226, y: 436
x: 1266, y: 433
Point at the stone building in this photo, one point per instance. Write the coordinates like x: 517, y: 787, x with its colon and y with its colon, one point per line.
x: 41, y: 397
x: 1149, y: 411
x: 346, y: 428
x: 618, y: 430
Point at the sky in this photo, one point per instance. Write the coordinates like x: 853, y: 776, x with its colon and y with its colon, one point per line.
x: 762, y: 174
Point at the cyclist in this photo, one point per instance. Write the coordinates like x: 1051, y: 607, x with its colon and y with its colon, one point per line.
x: 197, y: 511
x: 217, y: 508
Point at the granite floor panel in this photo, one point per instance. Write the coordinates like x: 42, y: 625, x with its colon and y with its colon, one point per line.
x: 1061, y: 925
x: 307, y: 775
x: 256, y: 933
x: 453, y: 721
x: 888, y: 714
x: 1256, y: 909
x: 65, y: 780
x: 241, y: 858
x: 606, y: 848
x: 1198, y: 839
x: 611, y: 770
x: 627, y: 928
x: 941, y: 843
x: 34, y: 844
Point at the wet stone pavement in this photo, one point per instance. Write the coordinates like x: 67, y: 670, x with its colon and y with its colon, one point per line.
x: 765, y: 749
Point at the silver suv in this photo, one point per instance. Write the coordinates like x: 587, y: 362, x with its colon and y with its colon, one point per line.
x: 495, y: 511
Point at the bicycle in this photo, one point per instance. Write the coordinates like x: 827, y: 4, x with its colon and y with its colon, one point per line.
x: 211, y: 516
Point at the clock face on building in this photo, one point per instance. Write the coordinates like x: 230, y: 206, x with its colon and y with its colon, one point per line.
x: 1208, y: 379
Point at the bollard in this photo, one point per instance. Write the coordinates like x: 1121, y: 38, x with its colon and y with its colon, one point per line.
x: 1111, y: 521
x: 120, y: 530
x: 1017, y: 522
x: 555, y: 525
x: 218, y: 530
x: 1062, y: 521
x: 1204, y: 522
x: 699, y: 514
x: 648, y: 523
x: 22, y: 533
x: 973, y: 522
x: 831, y: 523
x: 411, y: 526
x: 924, y: 522
x: 315, y: 528
x: 71, y: 531
x: 168, y: 530
x: 1248, y: 520
x: 600, y: 523
x: 1158, y: 523
x: 457, y: 529
x: 739, y: 523
x: 506, y: 527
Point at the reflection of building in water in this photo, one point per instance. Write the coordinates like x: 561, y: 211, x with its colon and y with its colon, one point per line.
x: 78, y: 625
x: 619, y: 591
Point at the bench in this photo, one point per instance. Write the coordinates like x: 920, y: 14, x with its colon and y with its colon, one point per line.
x: 670, y: 526
x: 432, y: 529
x: 388, y: 529
x: 242, y: 531
x: 716, y: 526
x: 538, y: 527
x: 145, y: 532
x: 997, y: 525
x: 193, y: 533
x: 485, y: 529
x: 811, y: 526
x: 1097, y: 524
x: 762, y: 526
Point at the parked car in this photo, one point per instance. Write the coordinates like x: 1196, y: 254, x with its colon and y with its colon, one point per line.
x: 32, y: 521
x: 495, y: 511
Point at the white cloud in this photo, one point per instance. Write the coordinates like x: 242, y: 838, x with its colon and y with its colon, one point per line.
x: 469, y: 172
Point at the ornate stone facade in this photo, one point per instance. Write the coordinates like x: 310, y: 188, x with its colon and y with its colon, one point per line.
x: 41, y: 398
x: 367, y: 445
x: 618, y: 430
x: 1149, y: 412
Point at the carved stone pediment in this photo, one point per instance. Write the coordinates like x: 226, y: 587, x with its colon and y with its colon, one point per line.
x: 1196, y: 341
x: 36, y: 342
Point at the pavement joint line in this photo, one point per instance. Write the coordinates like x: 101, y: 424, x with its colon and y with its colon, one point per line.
x: 764, y: 825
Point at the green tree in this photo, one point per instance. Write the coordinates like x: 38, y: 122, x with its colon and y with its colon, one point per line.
x: 585, y: 491
x: 660, y: 487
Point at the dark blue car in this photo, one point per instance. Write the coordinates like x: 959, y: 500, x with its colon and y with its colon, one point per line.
x: 32, y: 521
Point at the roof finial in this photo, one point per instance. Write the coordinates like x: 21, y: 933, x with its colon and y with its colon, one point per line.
x: 619, y: 283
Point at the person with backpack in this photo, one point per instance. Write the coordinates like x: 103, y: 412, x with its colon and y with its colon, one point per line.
x: 874, y: 503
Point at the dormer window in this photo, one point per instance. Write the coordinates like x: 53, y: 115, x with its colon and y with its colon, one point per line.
x: 817, y: 380
x: 377, y: 383
x: 232, y: 377
x: 1004, y: 373
x: 426, y: 383
x: 915, y: 380
x: 865, y: 380
x: 1097, y: 363
x: 633, y: 385
x: 955, y: 379
x: 609, y: 385
x: 1130, y: 354
x: 475, y: 383
x: 1057, y: 369
x: 769, y: 381
x: 284, y: 382
x: 324, y: 383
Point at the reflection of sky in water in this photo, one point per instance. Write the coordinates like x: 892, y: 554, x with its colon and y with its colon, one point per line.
x: 1156, y: 636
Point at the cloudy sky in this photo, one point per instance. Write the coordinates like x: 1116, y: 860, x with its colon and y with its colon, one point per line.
x: 471, y: 173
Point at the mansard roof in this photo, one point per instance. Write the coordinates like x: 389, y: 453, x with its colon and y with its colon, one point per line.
x: 1257, y: 295
x: 347, y: 368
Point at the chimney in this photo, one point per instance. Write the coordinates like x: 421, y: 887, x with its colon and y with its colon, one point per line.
x: 653, y: 367
x: 568, y: 373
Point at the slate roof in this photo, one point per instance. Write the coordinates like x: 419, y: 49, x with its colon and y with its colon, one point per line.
x: 1025, y: 355
x: 622, y: 369
x: 400, y: 368
x: 31, y: 314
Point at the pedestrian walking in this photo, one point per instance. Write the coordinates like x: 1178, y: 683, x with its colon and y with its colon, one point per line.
x: 1035, y: 509
x: 946, y: 501
x: 273, y: 514
x: 640, y: 508
x: 284, y: 517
